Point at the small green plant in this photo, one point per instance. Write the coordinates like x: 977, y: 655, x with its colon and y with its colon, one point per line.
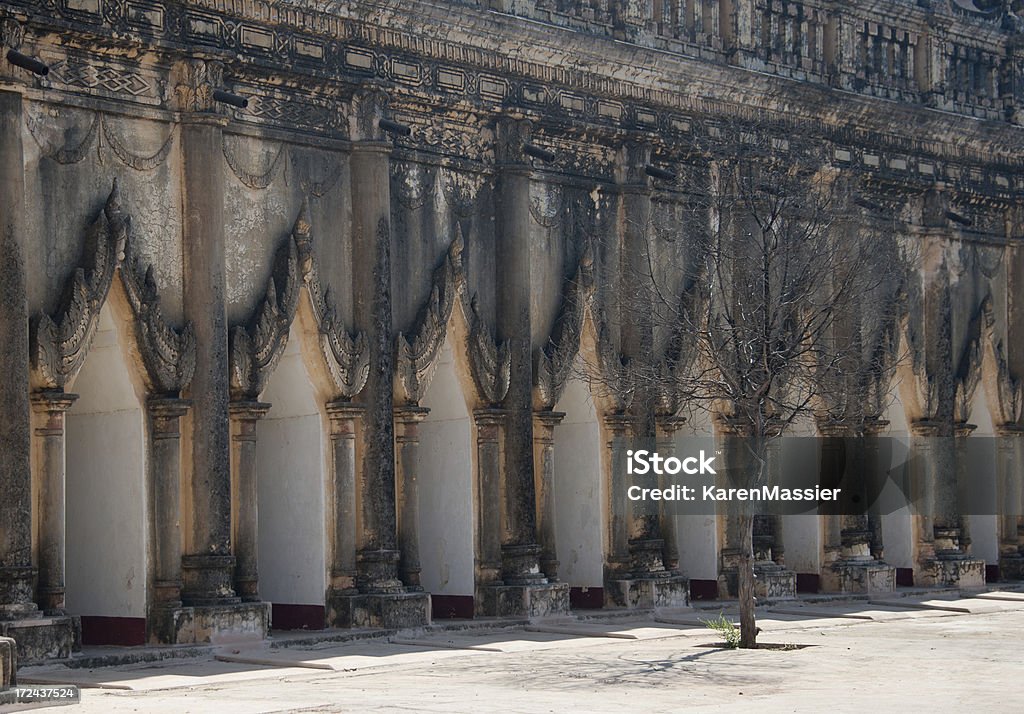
x: 723, y: 626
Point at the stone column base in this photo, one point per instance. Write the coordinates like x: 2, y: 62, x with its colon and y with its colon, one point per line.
x: 8, y: 663
x: 41, y: 639
x: 964, y: 572
x: 17, y: 593
x: 647, y: 593
x: 1011, y: 567
x: 207, y: 580
x: 392, y: 611
x: 209, y: 623
x: 538, y: 600
x: 771, y: 582
x: 859, y: 576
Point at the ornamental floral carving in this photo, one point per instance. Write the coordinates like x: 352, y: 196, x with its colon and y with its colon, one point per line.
x: 416, y: 353
x: 256, y: 347
x: 168, y: 354
x: 554, y: 362
x: 60, y: 342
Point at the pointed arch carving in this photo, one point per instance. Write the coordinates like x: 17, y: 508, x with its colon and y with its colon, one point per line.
x: 1009, y: 390
x: 61, y: 341
x: 256, y: 347
x: 553, y: 363
x: 168, y: 354
x: 416, y: 354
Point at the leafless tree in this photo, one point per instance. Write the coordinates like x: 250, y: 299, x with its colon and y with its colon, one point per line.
x: 778, y: 300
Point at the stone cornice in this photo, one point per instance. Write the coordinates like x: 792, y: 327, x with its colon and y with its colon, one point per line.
x: 432, y: 63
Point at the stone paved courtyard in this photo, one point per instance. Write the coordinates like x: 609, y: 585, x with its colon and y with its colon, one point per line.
x: 944, y: 654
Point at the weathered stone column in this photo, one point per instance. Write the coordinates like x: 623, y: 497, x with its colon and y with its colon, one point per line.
x: 923, y: 481
x: 618, y: 429
x: 544, y: 424
x: 877, y: 469
x: 772, y: 580
x: 378, y: 555
x: 941, y: 559
x: 407, y: 438
x: 961, y: 475
x: 637, y: 332
x: 208, y: 564
x: 165, y: 498
x: 16, y: 571
x: 850, y: 565
x: 1010, y: 499
x: 343, y: 416
x: 667, y: 426
x: 489, y: 527
x: 50, y: 408
x: 245, y: 509
x: 520, y: 551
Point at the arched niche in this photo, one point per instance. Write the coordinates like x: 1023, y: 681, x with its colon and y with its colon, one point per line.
x: 446, y: 493
x: 107, y: 535
x: 580, y: 517
x: 292, y: 452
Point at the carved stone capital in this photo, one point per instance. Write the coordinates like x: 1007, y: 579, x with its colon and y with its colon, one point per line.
x: 510, y: 135
x: 835, y: 429
x: 874, y: 427
x: 669, y: 424
x: 633, y: 158
x: 194, y: 81
x: 488, y: 424
x: 407, y: 420
x: 619, y: 425
x: 11, y: 33
x: 367, y: 109
x: 544, y: 423
x: 245, y: 415
x: 248, y: 410
x: 165, y: 415
x: 963, y: 429
x: 1014, y: 430
x: 927, y: 428
x: 53, y: 405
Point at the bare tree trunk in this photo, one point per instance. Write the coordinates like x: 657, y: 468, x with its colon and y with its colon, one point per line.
x: 748, y: 624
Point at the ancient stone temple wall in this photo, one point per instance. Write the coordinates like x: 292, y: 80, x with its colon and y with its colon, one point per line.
x: 348, y: 293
